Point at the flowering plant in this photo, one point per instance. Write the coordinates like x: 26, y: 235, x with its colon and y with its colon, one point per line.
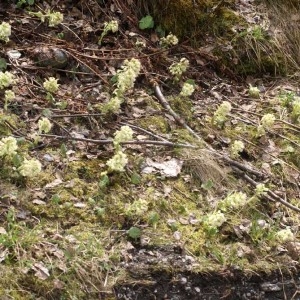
x: 51, y: 85
x: 220, y: 115
x: 177, y: 69
x: 169, y: 40
x: 236, y: 148
x: 44, y: 125
x: 30, y: 168
x: 5, y: 31
x: 187, y: 90
x: 6, y: 79
x: 8, y: 146
x: 112, y: 26
x: 118, y: 161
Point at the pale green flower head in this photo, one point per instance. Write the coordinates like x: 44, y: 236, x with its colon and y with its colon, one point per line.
x: 55, y: 18
x: 44, y: 125
x: 177, y: 69
x: 112, y: 26
x: 267, y: 121
x: 187, y: 90
x: 113, y: 105
x: 236, y: 148
x: 51, y: 85
x: 6, y: 79
x: 9, y: 95
x: 138, y: 207
x: 220, y: 115
x: 285, y: 235
x: 169, y: 40
x: 234, y: 201
x: 261, y: 189
x: 253, y: 91
x: 30, y: 168
x: 214, y: 220
x: 8, y: 146
x: 128, y: 74
x: 123, y: 135
x: 5, y: 31
x: 118, y: 161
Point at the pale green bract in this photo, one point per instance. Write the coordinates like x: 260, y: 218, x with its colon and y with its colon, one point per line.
x: 8, y: 146
x: 112, y: 26
x: 5, y: 31
x: 261, y: 189
x: 9, y: 95
x: 267, y: 121
x: 128, y: 74
x: 254, y: 91
x: 44, y: 125
x: 214, y: 220
x: 177, y: 69
x: 221, y: 113
x: 123, y: 135
x: 118, y: 161
x: 55, y: 18
x: 285, y: 235
x: 169, y: 40
x: 234, y: 200
x: 6, y: 79
x: 30, y: 168
x: 236, y: 148
x: 51, y: 85
x: 187, y: 90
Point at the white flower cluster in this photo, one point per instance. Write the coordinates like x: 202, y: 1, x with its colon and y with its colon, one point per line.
x: 123, y: 135
x: 214, y: 220
x: 44, y: 125
x: 169, y: 40
x: 8, y: 146
x: 221, y: 113
x: 177, y: 69
x: 9, y: 95
x: 128, y: 74
x: 253, y: 91
x: 187, y: 90
x: 55, y: 18
x: 125, y: 80
x: 261, y: 189
x: 267, y: 121
x: 137, y: 208
x: 5, y: 31
x: 30, y: 168
x: 234, y: 200
x: 118, y: 161
x: 285, y: 235
x: 6, y: 79
x: 112, y: 26
x: 51, y: 85
x: 236, y: 148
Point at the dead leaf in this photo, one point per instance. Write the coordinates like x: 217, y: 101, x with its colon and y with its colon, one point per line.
x: 40, y: 271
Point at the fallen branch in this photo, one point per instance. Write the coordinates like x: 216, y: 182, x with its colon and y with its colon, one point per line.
x: 105, y: 142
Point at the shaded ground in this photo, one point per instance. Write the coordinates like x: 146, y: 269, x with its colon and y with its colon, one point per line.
x: 65, y: 234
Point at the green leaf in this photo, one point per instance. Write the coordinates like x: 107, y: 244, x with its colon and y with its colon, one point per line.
x: 104, y: 182
x: 191, y: 81
x: 30, y: 2
x: 207, y: 185
x: 135, y: 178
x: 146, y: 22
x: 3, y: 64
x: 153, y: 218
x: 134, y: 232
